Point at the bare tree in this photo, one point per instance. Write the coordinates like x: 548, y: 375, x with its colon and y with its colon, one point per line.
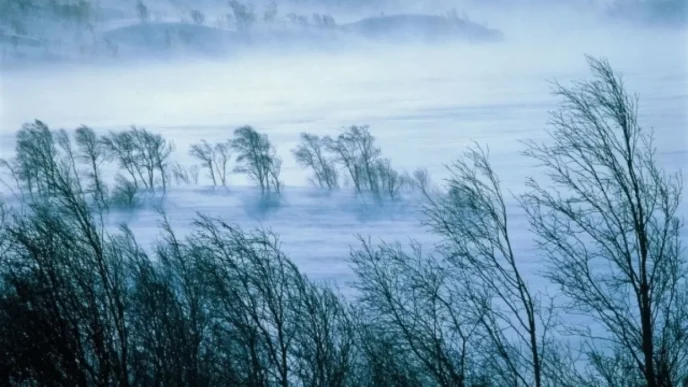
x: 58, y: 272
x: 270, y: 12
x: 198, y: 17
x: 34, y: 165
x: 222, y: 155
x: 125, y: 194
x: 143, y: 154
x: 180, y: 174
x: 324, y: 347
x: 390, y: 182
x: 310, y: 153
x: 142, y: 11
x: 254, y: 285
x: 417, y: 300
x: 94, y: 152
x: 222, y: 307
x: 328, y: 21
x: 205, y: 153
x: 356, y: 152
x: 244, y: 15
x: 299, y: 20
x: 152, y: 152
x: 420, y: 181
x: 472, y: 218
x: 257, y: 158
x: 185, y: 175
x: 172, y: 315
x: 123, y: 149
x: 610, y: 232
x: 382, y: 359
x: 194, y: 171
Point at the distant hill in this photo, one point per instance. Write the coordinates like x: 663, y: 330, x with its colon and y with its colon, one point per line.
x: 424, y: 27
x: 123, y: 37
x: 165, y: 36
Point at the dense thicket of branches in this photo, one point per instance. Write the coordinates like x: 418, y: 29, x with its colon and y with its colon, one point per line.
x: 83, y: 306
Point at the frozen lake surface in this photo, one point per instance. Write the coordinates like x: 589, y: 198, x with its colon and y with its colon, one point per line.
x: 423, y: 104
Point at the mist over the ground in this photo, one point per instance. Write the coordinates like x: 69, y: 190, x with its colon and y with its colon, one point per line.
x: 327, y: 78
x: 425, y: 93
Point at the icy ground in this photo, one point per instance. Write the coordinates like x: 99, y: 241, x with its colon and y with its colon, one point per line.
x: 423, y: 104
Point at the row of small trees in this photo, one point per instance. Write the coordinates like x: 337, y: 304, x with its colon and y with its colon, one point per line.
x: 224, y: 306
x: 244, y: 16
x: 143, y: 162
x: 355, y: 152
x: 48, y: 161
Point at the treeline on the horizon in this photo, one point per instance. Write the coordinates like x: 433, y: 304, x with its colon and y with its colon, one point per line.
x: 83, y: 306
x: 16, y: 15
x: 72, y: 29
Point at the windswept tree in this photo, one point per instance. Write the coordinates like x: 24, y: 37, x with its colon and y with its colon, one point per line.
x: 180, y: 174
x: 606, y: 221
x: 472, y: 219
x: 220, y: 307
x: 198, y: 17
x: 144, y: 155
x: 390, y: 182
x: 61, y: 286
x: 121, y: 146
x: 413, y: 316
x: 93, y: 151
x: 153, y: 152
x: 214, y: 158
x: 326, y: 339
x: 311, y: 153
x: 465, y: 314
x: 272, y: 325
x: 222, y: 156
x: 355, y: 150
x: 257, y: 158
x: 142, y: 11
x: 270, y: 13
x: 244, y: 15
x: 33, y: 166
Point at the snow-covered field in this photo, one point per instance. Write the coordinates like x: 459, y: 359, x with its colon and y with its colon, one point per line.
x: 423, y: 104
